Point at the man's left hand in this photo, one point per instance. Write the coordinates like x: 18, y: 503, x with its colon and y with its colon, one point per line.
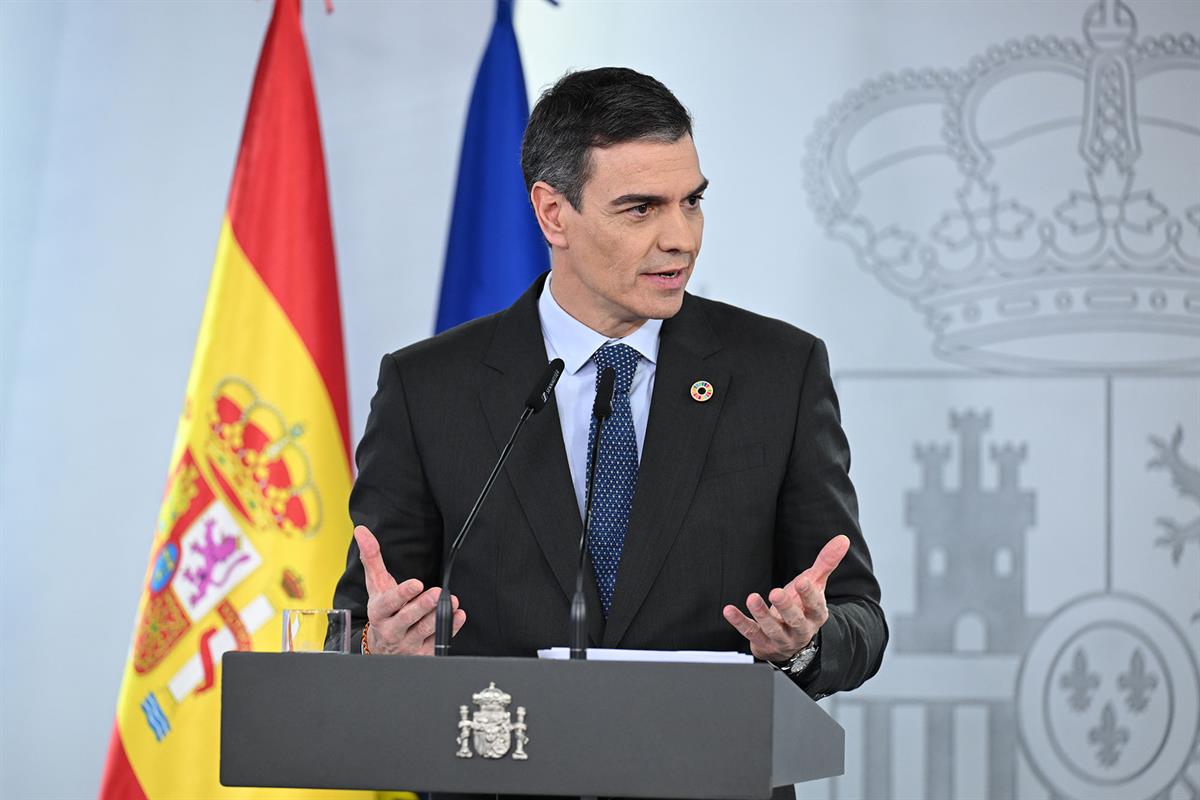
x: 797, y: 611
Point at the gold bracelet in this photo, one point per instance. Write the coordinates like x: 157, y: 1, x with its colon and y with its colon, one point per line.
x: 366, y: 650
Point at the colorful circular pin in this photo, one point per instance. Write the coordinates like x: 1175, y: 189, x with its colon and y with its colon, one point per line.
x: 702, y: 391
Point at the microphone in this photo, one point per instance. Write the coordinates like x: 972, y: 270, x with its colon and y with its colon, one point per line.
x: 538, y: 397
x: 601, y: 409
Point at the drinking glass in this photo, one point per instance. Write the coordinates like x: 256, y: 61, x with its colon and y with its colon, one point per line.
x: 316, y: 630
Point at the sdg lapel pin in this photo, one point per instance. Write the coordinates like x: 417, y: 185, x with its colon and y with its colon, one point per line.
x: 702, y: 391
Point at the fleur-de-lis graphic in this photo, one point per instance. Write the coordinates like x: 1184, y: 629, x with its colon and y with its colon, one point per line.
x: 1137, y: 683
x: 1079, y: 682
x: 1109, y: 736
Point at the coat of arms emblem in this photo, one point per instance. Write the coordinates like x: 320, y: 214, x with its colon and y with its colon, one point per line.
x: 491, y: 729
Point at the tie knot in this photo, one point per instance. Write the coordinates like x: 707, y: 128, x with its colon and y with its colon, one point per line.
x: 623, y: 359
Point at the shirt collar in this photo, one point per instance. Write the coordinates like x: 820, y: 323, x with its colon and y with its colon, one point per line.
x: 575, y: 342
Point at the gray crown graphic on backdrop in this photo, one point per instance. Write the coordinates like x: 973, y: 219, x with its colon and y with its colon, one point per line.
x: 1013, y: 203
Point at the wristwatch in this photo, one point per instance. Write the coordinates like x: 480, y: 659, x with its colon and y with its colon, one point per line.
x: 801, y: 661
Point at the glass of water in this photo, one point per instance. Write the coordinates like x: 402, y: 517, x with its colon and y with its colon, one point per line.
x: 316, y: 630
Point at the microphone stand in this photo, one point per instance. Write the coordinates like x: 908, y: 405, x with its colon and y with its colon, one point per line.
x: 444, y: 621
x: 444, y: 616
x: 601, y: 411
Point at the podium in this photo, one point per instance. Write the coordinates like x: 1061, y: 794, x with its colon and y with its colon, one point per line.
x: 590, y: 728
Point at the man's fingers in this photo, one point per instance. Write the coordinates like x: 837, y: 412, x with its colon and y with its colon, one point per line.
x: 378, y: 578
x: 770, y: 624
x: 382, y: 605
x: 423, y: 628
x: 812, y: 600
x: 412, y: 630
x: 788, y: 606
x: 827, y: 560
x: 418, y: 607
x: 426, y: 649
x: 745, y: 626
x: 426, y: 626
x: 807, y: 590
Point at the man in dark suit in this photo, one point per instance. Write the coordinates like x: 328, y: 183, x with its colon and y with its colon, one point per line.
x: 722, y: 475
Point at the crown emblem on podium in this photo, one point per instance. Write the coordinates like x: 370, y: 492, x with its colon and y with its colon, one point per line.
x: 1039, y: 206
x: 491, y: 729
x: 492, y: 699
x: 258, y: 462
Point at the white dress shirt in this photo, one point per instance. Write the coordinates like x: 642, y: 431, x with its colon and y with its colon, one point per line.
x: 572, y: 341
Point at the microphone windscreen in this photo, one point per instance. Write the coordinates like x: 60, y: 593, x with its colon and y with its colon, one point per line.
x: 545, y: 386
x: 604, y: 393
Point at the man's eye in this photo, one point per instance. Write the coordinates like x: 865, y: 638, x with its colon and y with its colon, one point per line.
x: 694, y: 200
x: 640, y: 211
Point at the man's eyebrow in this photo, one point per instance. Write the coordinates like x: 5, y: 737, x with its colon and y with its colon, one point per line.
x: 638, y: 200
x: 652, y: 199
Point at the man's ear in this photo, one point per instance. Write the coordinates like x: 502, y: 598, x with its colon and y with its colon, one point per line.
x: 550, y: 209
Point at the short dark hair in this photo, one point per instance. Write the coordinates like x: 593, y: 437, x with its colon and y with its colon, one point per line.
x: 595, y: 108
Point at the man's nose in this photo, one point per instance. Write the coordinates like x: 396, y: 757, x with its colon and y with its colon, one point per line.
x: 678, y: 233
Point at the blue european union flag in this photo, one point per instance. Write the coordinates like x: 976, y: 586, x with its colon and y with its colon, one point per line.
x: 496, y: 248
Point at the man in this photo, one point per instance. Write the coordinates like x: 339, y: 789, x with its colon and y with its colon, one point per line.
x: 721, y: 475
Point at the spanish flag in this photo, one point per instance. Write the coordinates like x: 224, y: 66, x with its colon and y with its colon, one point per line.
x: 254, y: 516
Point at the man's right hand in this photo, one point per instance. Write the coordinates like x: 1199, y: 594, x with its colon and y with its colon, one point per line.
x: 401, y: 614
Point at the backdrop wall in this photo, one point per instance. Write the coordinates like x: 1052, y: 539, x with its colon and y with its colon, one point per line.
x: 1000, y: 243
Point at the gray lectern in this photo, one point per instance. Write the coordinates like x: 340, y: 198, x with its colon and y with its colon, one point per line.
x: 519, y: 726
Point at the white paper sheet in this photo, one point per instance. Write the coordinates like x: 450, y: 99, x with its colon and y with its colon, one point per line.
x: 688, y: 656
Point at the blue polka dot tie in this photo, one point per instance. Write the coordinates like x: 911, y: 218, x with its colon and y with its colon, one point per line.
x: 616, y: 472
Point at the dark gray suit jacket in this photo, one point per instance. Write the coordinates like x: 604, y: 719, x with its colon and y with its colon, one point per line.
x: 735, y: 495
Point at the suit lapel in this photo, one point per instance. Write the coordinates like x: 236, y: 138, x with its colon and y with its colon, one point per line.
x: 537, y: 468
x: 677, y: 439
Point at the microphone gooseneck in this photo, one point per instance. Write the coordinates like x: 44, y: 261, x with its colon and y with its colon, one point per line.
x: 601, y: 409
x: 444, y: 617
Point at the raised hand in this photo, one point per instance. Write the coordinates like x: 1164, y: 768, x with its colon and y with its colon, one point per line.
x: 797, y: 611
x: 401, y: 614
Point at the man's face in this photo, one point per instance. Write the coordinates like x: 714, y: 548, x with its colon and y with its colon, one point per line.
x: 631, y: 249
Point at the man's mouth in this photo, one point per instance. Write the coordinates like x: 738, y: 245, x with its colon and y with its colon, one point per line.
x: 665, y: 273
x: 667, y: 279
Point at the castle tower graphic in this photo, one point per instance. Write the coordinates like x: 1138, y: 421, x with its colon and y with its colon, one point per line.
x: 970, y: 540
